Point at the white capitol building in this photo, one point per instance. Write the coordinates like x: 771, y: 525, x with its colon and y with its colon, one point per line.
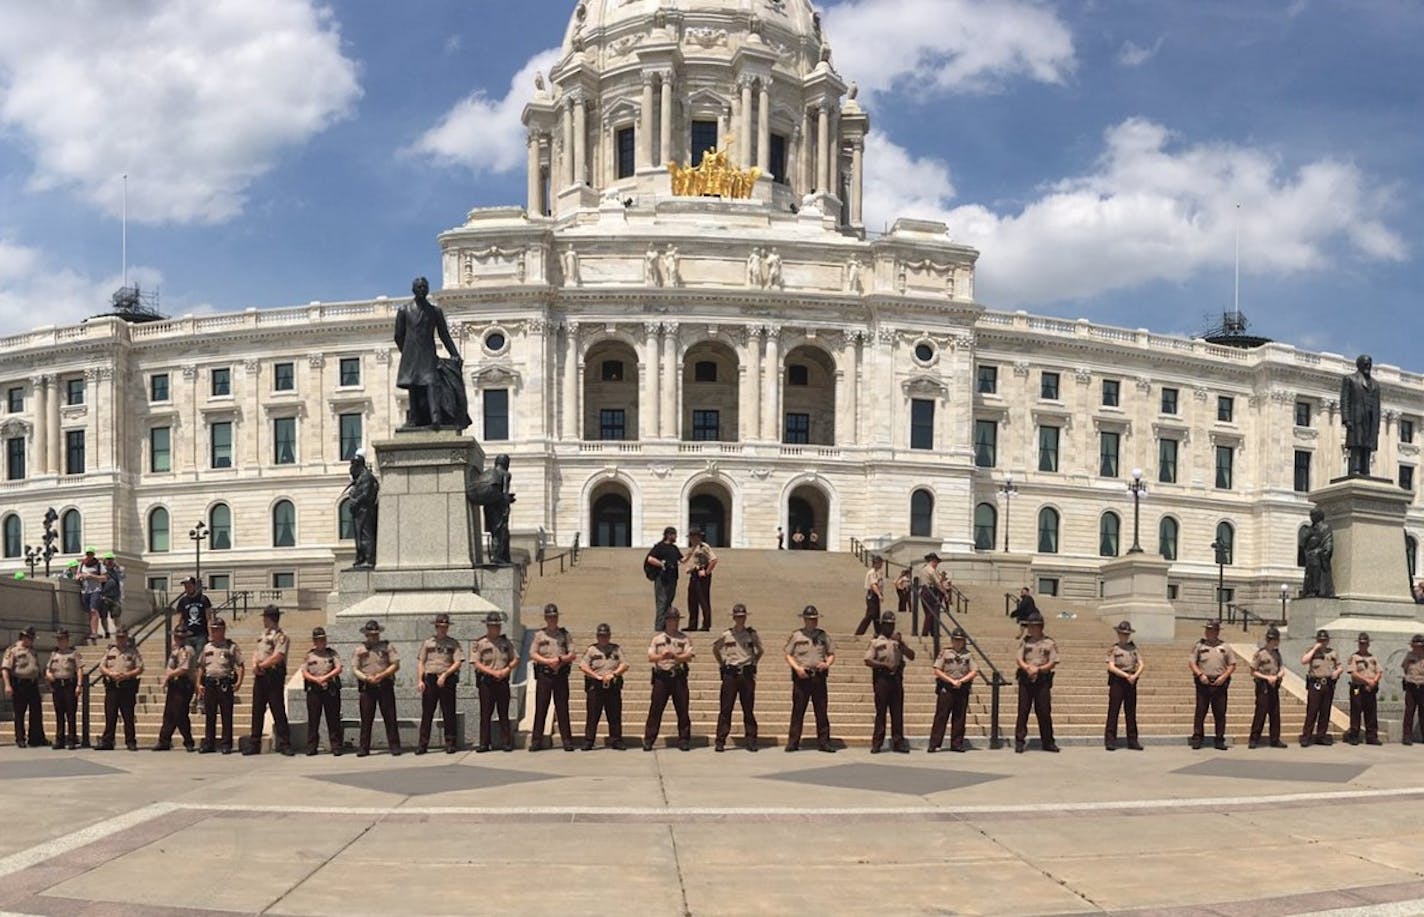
x: 740, y: 363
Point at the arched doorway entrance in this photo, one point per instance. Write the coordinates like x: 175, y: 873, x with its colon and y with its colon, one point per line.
x: 709, y: 508
x: 807, y: 511
x: 611, y: 518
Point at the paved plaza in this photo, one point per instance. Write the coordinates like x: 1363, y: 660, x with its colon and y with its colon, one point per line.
x: 1167, y: 831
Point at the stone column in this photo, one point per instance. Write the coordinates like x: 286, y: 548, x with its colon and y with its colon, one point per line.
x: 532, y: 184
x: 568, y: 170
x: 40, y: 437
x: 672, y: 382
x: 823, y: 149
x: 724, y: 128
x: 751, y: 410
x: 55, y: 463
x: 569, y: 427
x: 645, y: 127
x: 580, y: 142
x: 651, y: 405
x: 771, y: 401
x: 851, y: 433
x: 745, y: 140
x: 857, y: 182
x: 804, y: 181
x: 763, y: 156
x: 665, y: 122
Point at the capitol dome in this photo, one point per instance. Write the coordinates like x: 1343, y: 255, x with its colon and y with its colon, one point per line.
x: 788, y: 20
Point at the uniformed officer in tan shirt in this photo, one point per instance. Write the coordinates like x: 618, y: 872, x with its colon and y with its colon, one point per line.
x: 1036, y: 661
x: 321, y: 680
x: 220, y: 673
x: 178, y: 689
x: 738, y: 651
x: 1266, y: 673
x: 935, y: 589
x: 603, y: 666
x: 670, y: 652
x: 1212, y: 664
x: 700, y: 560
x: 874, y: 595
x: 1323, y: 670
x: 495, y: 659
x: 1365, y: 675
x: 810, y: 654
x: 62, y: 673
x: 437, y: 673
x: 121, y: 669
x: 886, y: 657
x: 374, y: 665
x: 20, y: 670
x: 1413, y: 688
x: 954, y: 673
x: 1125, y: 668
x: 551, y: 651
x: 269, y: 685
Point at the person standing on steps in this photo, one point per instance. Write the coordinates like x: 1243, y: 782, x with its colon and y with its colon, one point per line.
x: 1267, y: 671
x: 1125, y: 667
x: 62, y: 673
x: 1026, y: 606
x: 660, y: 566
x: 553, y: 656
x: 321, y: 679
x: 934, y: 593
x: 374, y: 665
x: 874, y: 594
x: 178, y: 689
x: 738, y: 651
x: 954, y: 673
x: 1413, y: 688
x: 1036, y: 660
x: 194, y: 610
x: 437, y: 674
x: 603, y: 667
x: 1212, y: 664
x: 780, y: 539
x: 810, y: 654
x: 495, y: 660
x: 1365, y: 675
x: 121, y: 669
x: 220, y: 672
x: 670, y: 653
x: 269, y: 685
x: 886, y: 657
x: 903, y: 592
x: 700, y: 560
x: 20, y: 669
x: 1323, y: 670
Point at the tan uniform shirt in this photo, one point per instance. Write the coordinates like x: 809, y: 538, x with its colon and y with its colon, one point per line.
x: 271, y: 643
x: 321, y: 662
x: 122, y: 662
x: 1366, y: 665
x: 65, y: 666
x: 550, y: 646
x: 220, y: 660
x: 810, y: 647
x: 1414, y: 669
x: 21, y: 663
x: 439, y: 654
x: 885, y: 653
x: 184, y: 660
x: 1125, y: 658
x: 1213, y: 659
x: 1267, y: 661
x: 737, y: 649
x: 493, y: 652
x: 1038, y: 651
x: 603, y: 659
x: 873, y: 580
x: 663, y: 641
x: 954, y: 663
x: 1323, y: 664
x: 371, y: 660
x: 702, y: 556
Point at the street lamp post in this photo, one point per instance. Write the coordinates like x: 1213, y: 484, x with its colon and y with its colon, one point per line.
x: 48, y: 539
x: 32, y: 559
x: 1007, y: 490
x: 1220, y: 548
x: 1138, y: 489
x: 1285, y: 590
x: 198, y: 533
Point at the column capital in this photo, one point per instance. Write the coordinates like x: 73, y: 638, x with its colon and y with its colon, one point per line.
x: 648, y: 77
x: 41, y: 381
x: 651, y: 329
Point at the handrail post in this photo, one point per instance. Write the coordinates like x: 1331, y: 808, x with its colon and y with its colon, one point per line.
x: 915, y: 604
x: 995, y: 739
x: 935, y: 636
x: 84, y: 711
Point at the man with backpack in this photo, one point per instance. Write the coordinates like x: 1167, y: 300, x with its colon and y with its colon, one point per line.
x: 660, y: 566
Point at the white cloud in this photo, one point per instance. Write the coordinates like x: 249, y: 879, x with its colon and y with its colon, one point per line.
x: 36, y: 289
x: 194, y: 99
x: 1131, y: 54
x: 484, y: 134
x: 1152, y: 209
x: 954, y: 45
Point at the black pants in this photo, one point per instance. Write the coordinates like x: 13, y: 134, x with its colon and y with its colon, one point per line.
x: 1210, y: 697
x: 177, y: 697
x: 28, y: 711
x: 1035, y: 696
x: 1364, y: 708
x: 930, y: 604
x: 382, y: 695
x: 326, y: 702
x: 665, y: 689
x: 494, y: 698
x: 433, y: 695
x: 269, y: 693
x: 119, y: 700
x: 810, y: 690
x: 872, y: 613
x: 217, y: 698
x: 903, y: 596
x: 889, y: 699
x: 1413, y: 710
x: 1268, y: 707
x: 551, y: 686
x: 66, y: 709
x: 1122, y: 696
x: 952, y: 709
x: 699, y: 596
x: 1319, y: 695
x: 602, y: 701
x: 737, y: 685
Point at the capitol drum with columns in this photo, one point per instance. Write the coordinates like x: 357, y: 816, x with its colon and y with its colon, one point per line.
x: 723, y: 346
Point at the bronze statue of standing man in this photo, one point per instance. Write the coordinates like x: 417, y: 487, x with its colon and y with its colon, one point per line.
x: 365, y: 492
x: 417, y: 324
x: 1360, y: 412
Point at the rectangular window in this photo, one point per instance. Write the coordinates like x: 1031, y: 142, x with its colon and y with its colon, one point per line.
x: 1111, y: 393
x: 1172, y: 591
x: 495, y: 404
x: 221, y: 381
x: 777, y: 157
x: 798, y: 429
x: 986, y: 443
x: 15, y: 400
x: 705, y: 371
x: 706, y: 426
x: 1048, y: 585
x: 1225, y: 455
x: 160, y: 449
x: 74, y: 452
x: 1225, y: 408
x: 988, y: 380
x: 612, y: 424
x: 1167, y: 461
x: 627, y: 152
x: 1048, y: 386
x: 219, y: 582
x: 158, y: 584
x: 922, y: 412
x: 611, y: 371
x: 1302, y: 413
x: 1302, y: 471
x: 284, y: 377
x: 350, y: 371
x: 1108, y: 443
x: 349, y: 431
x: 1169, y: 401
x: 1406, y: 431
x: 704, y: 140
x: 1048, y: 448
x: 1406, y: 477
x: 15, y: 458
x: 158, y: 388
x: 220, y: 435
x: 74, y: 391
x: 284, y: 580
x: 284, y: 440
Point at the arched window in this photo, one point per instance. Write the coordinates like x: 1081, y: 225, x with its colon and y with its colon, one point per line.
x: 1167, y: 531
x: 13, y: 537
x: 345, y: 527
x: 1108, y: 528
x: 1300, y: 535
x: 986, y: 526
x: 71, y: 532
x: 1411, y: 553
x: 921, y: 514
x: 284, y: 524
x: 158, y: 540
x: 1226, y: 543
x: 1048, y: 530
x: 220, y: 527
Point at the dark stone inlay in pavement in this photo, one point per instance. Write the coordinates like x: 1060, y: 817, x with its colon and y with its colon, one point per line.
x: 910, y: 781
x: 1265, y: 770
x: 57, y: 767
x: 429, y: 781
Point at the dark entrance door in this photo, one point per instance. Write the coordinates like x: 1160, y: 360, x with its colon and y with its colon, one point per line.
x: 709, y: 514
x: 612, y: 522
x: 800, y: 517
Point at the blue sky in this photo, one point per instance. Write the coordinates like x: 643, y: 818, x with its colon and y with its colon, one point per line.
x: 281, y: 151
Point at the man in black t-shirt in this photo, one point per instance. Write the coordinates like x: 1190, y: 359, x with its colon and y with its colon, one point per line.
x: 194, y: 610
x: 661, y: 564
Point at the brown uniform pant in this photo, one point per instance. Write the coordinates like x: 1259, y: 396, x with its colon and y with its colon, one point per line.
x: 119, y: 701
x: 699, y: 595
x: 28, y: 711
x: 177, y: 698
x: 1319, y: 695
x: 599, y: 701
x: 930, y: 604
x: 872, y: 613
x: 434, y: 695
x: 1268, y: 707
x: 494, y: 698
x: 1035, y: 696
x: 329, y: 703
x: 217, y: 699
x: 1122, y: 696
x: 269, y: 693
x: 903, y: 595
x: 1364, y: 707
x: 382, y: 695
x: 66, y: 708
x: 889, y: 699
x: 952, y: 709
x: 1211, y: 697
x: 664, y: 689
x: 810, y: 690
x: 1413, y: 709
x: 551, y: 686
x: 737, y: 685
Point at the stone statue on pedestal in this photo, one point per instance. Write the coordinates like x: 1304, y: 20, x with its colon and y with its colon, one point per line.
x: 491, y: 490
x: 1319, y: 548
x: 1360, y: 413
x: 365, y: 494
x: 436, y: 386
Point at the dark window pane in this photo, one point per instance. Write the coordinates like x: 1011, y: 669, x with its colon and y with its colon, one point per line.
x: 350, y: 431
x: 706, y: 426
x: 1406, y: 477
x: 74, y: 452
x: 1167, y: 538
x: 284, y: 377
x: 160, y: 449
x: 71, y: 531
x: 612, y: 371
x: 704, y: 139
x: 986, y: 522
x: 922, y: 412
x: 1169, y: 401
x: 986, y: 443
x: 1048, y: 448
x: 1406, y: 431
x: 220, y: 527
x: 158, y: 387
x: 74, y: 391
x: 988, y: 380
x: 1302, y: 413
x: 777, y: 159
x: 284, y: 524
x: 221, y: 435
x: 222, y: 381
x: 496, y: 410
x: 1111, y: 387
x: 612, y: 424
x: 1225, y: 408
x: 1108, y: 454
x: 350, y: 371
x: 627, y: 152
x: 1109, y: 527
x: 15, y: 400
x: 704, y: 371
x: 158, y: 536
x: 15, y: 458
x: 1225, y: 543
x: 345, y: 525
x: 1224, y: 457
x: 1048, y: 531
x: 921, y: 514
x: 1302, y: 471
x: 1048, y: 386
x: 798, y: 429
x: 13, y: 536
x: 1167, y: 461
x: 284, y: 440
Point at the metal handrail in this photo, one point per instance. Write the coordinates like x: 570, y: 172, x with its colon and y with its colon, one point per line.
x: 158, y: 617
x: 1246, y: 615
x: 997, y: 680
x: 541, y: 555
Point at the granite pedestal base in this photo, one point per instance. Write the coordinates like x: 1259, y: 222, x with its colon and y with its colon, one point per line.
x: 1135, y: 590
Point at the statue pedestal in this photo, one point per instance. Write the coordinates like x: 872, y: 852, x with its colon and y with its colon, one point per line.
x: 424, y: 521
x: 1135, y: 590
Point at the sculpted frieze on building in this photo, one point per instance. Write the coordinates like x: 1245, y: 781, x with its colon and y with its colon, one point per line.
x: 14, y: 427
x: 1049, y: 417
x: 494, y: 264
x: 1121, y: 425
x: 1177, y: 431
x: 316, y: 360
x: 1306, y: 434
x: 497, y: 377
x: 925, y: 387
x: 73, y: 411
